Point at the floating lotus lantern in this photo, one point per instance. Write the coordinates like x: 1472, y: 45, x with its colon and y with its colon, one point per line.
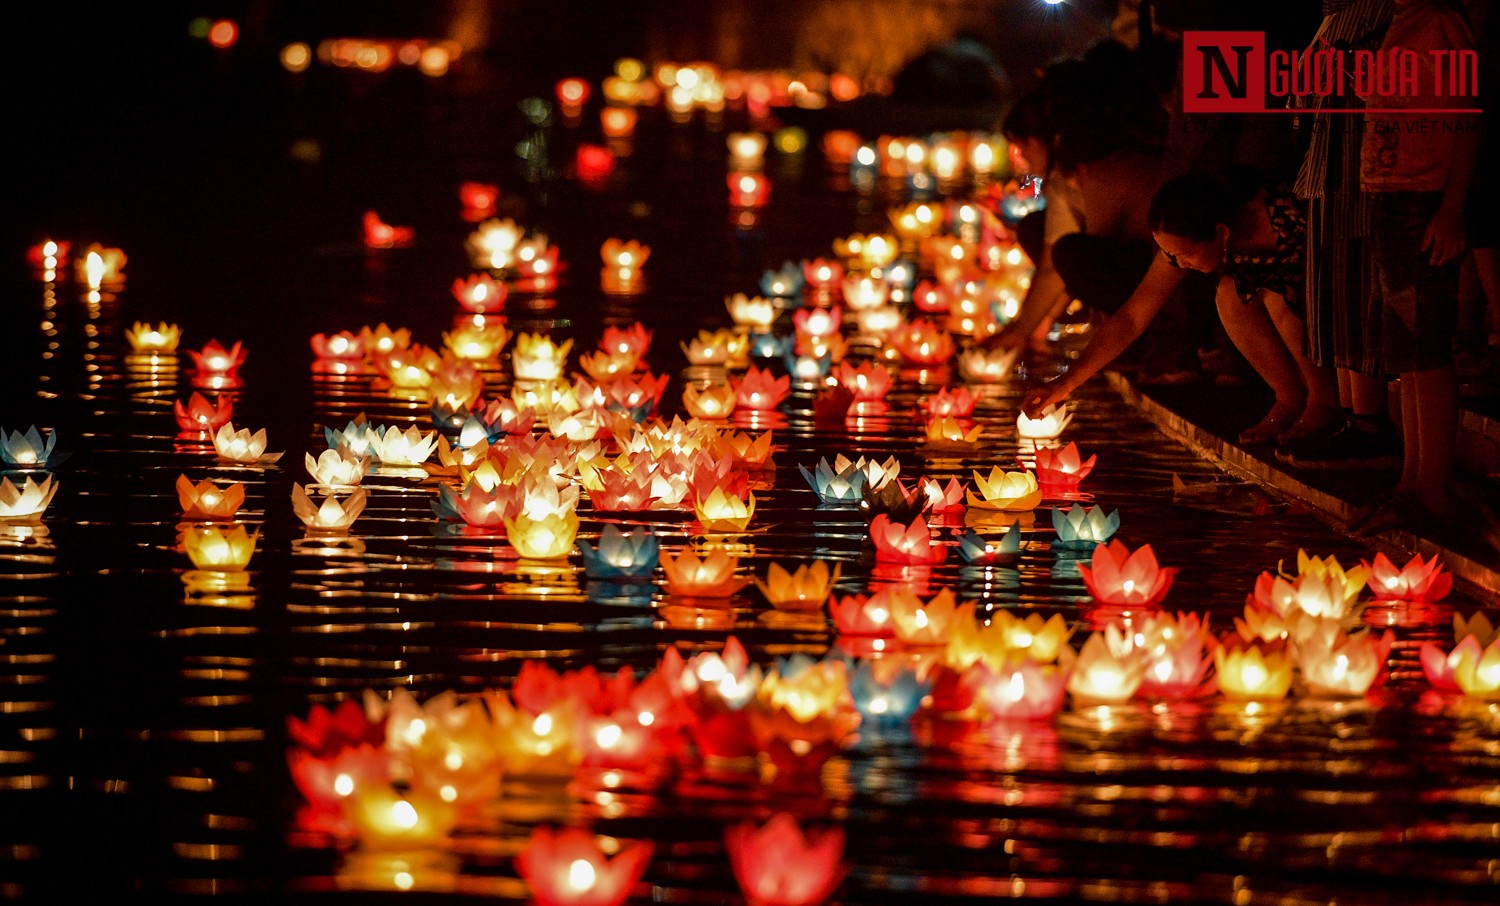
x: 1122, y: 578
x: 147, y: 340
x: 536, y: 262
x: 1418, y: 580
x: 1339, y: 665
x: 922, y: 624
x: 382, y: 235
x: 1080, y: 529
x: 504, y: 416
x: 242, y: 446
x: 409, y: 369
x: 327, y: 780
x: 382, y: 340
x: 841, y: 486
x: 830, y: 348
x: 212, y: 548
x: 493, y: 244
x: 877, y: 322
x: 1253, y: 672
x: 206, y: 500
x: 801, y: 715
x: 356, y: 437
x: 479, y: 507
x: 100, y: 266
x: 332, y: 515
x: 1472, y: 634
x: 548, y: 538
x: 760, y: 391
x: 986, y: 367
x: 776, y: 864
x: 747, y: 150
x: 865, y: 292
x: 537, y: 358
x: 568, y: 867
x: 48, y: 255
x: 617, y: 122
x: 337, y: 468
x: 28, y: 450
x: 1051, y: 423
x: 895, y: 501
x: 886, y: 698
x: 409, y: 448
x: 469, y: 343
x: 943, y: 498
x: 977, y: 550
x: 783, y: 283
x: 1175, y: 651
x: 912, y: 543
x: 817, y: 322
x: 634, y: 338
x: 714, y: 401
x: 722, y: 512
x: 621, y: 555
x: 478, y: 199
x: 757, y: 313
x: 593, y: 164
x: 1012, y: 492
x: 922, y: 343
x: 1314, y: 594
x: 342, y: 346
x: 805, y: 589
x: 748, y: 190
x: 1476, y: 671
x: 1021, y: 690
x: 860, y: 616
x: 952, y: 434
x: 534, y: 744
x: 808, y: 370
x: 958, y: 404
x: 608, y: 366
x: 214, y: 359
x: 480, y: 294
x: 1062, y: 470
x: 1108, y: 671
x: 868, y: 383
x: 387, y: 819
x: 26, y: 503
x: 708, y: 348
x: 822, y: 275
x: 712, y: 576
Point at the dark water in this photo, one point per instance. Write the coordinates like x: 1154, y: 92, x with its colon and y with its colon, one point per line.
x: 142, y: 728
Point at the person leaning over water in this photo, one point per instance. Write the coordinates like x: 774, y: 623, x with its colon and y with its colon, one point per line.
x: 1250, y: 235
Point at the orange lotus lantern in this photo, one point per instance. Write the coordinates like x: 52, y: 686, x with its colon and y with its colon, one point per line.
x: 242, y: 446
x: 712, y: 576
x: 537, y: 358
x: 608, y: 366
x: 777, y: 864
x: 534, y: 744
x: 617, y: 122
x: 911, y: 544
x: 381, y: 235
x: 201, y: 416
x: 922, y: 343
x: 755, y: 312
x: 748, y: 190
x: 1418, y: 580
x: 569, y: 867
x: 822, y: 275
x: 212, y: 548
x: 715, y: 401
x: 1062, y: 470
x: 342, y: 346
x: 805, y: 589
x: 387, y: 819
x: 922, y: 624
x: 480, y: 294
x: 1122, y: 578
x: 868, y: 383
x: 99, y: 266
x: 761, y: 391
x: 382, y: 340
x: 1253, y: 672
x: 145, y: 339
x: 802, y: 714
x: 621, y: 255
x: 206, y: 500
x: 214, y: 359
x: 1012, y: 492
x: 493, y: 244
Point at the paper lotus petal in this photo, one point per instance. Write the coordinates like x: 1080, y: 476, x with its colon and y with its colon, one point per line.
x: 215, y: 359
x: 28, y: 450
x: 394, y: 447
x: 922, y: 624
x: 979, y: 551
x: 1009, y: 491
x: 1049, y: 425
x: 621, y: 555
x: 721, y: 512
x: 946, y: 433
x: 805, y: 589
x: 1418, y: 580
x: 709, y: 577
x: 548, y: 538
x: 1343, y: 665
x: 777, y: 864
x: 857, y: 615
x: 1117, y: 576
x: 760, y: 390
x: 386, y: 819
x: 713, y: 402
x: 206, y: 500
x: 958, y: 403
x: 202, y: 416
x: 242, y: 446
x: 28, y: 502
x: 144, y: 338
x: 1062, y: 470
x: 1476, y: 671
x: 340, y: 346
x: 567, y: 867
x: 332, y: 515
x: 1080, y: 528
x: 212, y: 548
x: 843, y: 486
x: 895, y: 543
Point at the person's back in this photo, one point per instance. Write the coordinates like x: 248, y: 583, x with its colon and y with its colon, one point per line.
x: 1116, y: 192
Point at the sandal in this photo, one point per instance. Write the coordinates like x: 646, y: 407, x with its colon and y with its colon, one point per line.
x: 1265, y: 431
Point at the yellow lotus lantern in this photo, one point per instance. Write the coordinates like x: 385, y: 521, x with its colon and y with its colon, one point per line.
x: 546, y: 398
x: 386, y: 819
x: 548, y: 538
x: 805, y: 589
x: 755, y: 312
x: 472, y: 343
x: 337, y: 467
x: 920, y: 624
x: 382, y: 340
x: 1314, y: 594
x: 394, y: 447
x: 1253, y: 672
x: 537, y: 358
x: 1259, y: 623
x: 494, y: 244
x: 715, y: 401
x: 712, y: 576
x: 1046, y: 427
x: 605, y: 365
x: 708, y: 348
x: 146, y: 339
x: 1009, y: 491
x: 214, y: 549
x: 28, y: 502
x: 1343, y: 583
x: 916, y: 221
x: 724, y: 512
x: 1108, y: 671
x: 945, y: 433
x: 1042, y: 640
x: 242, y: 446
x: 206, y: 500
x: 1476, y: 671
x: 332, y: 515
x: 534, y: 744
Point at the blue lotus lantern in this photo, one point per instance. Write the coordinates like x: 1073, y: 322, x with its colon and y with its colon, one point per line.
x: 785, y: 283
x: 808, y: 369
x: 770, y: 346
x: 980, y: 551
x: 1080, y: 529
x: 886, y: 704
x: 28, y: 450
x: 621, y: 555
x: 356, y: 437
x: 839, y: 488
x: 473, y: 432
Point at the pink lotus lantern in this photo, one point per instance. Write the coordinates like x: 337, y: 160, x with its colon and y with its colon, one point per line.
x: 945, y: 498
x: 923, y: 343
x: 1021, y: 690
x: 868, y: 383
x: 1335, y: 665
x: 1108, y: 671
x: 1176, y: 654
x: 817, y: 322
x: 342, y: 346
x: 905, y: 543
x: 633, y: 339
x: 381, y: 235
x: 857, y: 615
x: 480, y: 294
x: 1418, y: 580
x: 748, y: 190
x: 327, y: 781
x: 759, y: 390
x: 568, y: 867
x: 619, y: 492
x: 537, y: 265
x: 930, y: 298
x: 1121, y: 578
x: 822, y: 275
x: 478, y: 199
x: 214, y: 359
x: 1062, y: 470
x: 1473, y: 636
x: 777, y: 864
x: 202, y: 417
x: 958, y: 404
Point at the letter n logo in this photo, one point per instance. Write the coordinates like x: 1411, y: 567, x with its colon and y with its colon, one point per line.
x: 1223, y: 72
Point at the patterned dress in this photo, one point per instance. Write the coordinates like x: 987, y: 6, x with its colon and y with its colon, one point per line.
x: 1279, y: 269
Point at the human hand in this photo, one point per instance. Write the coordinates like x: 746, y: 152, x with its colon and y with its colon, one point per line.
x: 1444, y: 238
x: 1038, y: 401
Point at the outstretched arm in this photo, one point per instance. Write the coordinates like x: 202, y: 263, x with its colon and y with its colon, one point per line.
x: 1113, y: 337
x: 1041, y: 300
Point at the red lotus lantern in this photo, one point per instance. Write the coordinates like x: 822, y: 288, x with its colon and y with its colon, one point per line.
x: 478, y: 199
x: 593, y: 163
x: 748, y: 190
x: 568, y: 867
x: 200, y: 416
x: 1062, y: 470
x: 930, y: 298
x: 1121, y: 578
x: 760, y: 391
x: 777, y: 864
x: 633, y: 339
x: 381, y: 235
x: 572, y: 93
x: 895, y: 543
x: 857, y: 615
x: 480, y: 294
x: 1023, y: 690
x: 923, y: 343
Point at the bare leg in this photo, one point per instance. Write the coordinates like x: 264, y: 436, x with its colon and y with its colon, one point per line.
x: 1435, y: 398
x: 1322, y: 407
x: 1254, y: 335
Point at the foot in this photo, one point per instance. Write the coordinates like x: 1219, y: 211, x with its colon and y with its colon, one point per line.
x: 1313, y: 421
x: 1281, y: 417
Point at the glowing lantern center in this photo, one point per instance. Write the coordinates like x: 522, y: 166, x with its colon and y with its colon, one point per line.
x: 1253, y: 675
x: 608, y: 736
x: 343, y: 784
x: 581, y: 875
x: 542, y: 725
x: 404, y: 814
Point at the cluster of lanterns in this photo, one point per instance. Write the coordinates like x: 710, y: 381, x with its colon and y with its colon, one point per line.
x: 926, y: 164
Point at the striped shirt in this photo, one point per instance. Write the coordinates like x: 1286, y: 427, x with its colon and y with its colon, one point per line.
x: 1347, y: 25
